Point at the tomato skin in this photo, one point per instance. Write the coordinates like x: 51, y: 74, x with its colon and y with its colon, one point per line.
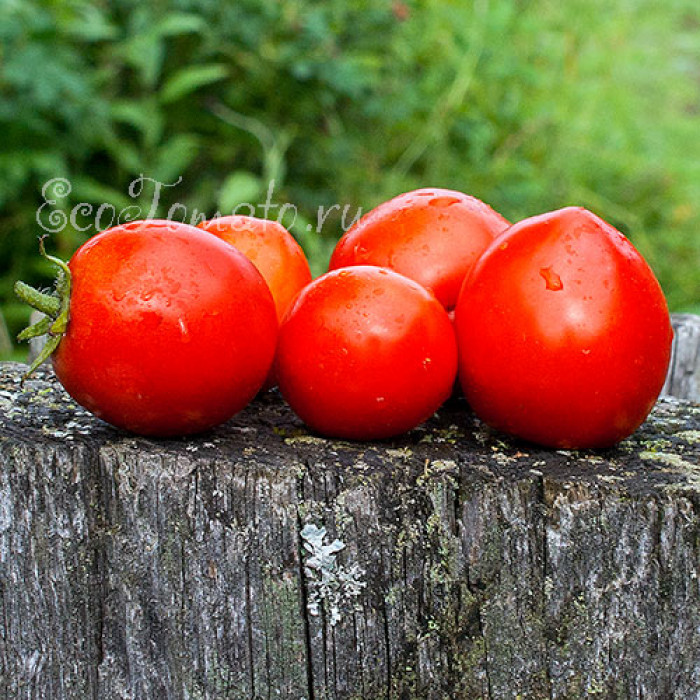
x: 171, y: 330
x: 271, y: 248
x: 276, y: 254
x: 365, y: 353
x: 564, y: 333
x: 431, y: 235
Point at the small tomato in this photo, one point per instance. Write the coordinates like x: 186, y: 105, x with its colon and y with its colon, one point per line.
x: 272, y: 249
x: 434, y: 236
x: 365, y: 353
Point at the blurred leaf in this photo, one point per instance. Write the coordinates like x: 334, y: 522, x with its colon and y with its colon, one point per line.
x: 145, y: 53
x: 145, y: 50
x: 143, y: 115
x: 240, y: 187
x: 178, y: 23
x: 87, y: 189
x: 190, y: 79
x: 174, y: 157
x: 90, y: 24
x: 124, y: 153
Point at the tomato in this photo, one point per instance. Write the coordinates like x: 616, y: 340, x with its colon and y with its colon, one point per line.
x: 434, y: 236
x: 272, y: 249
x: 171, y: 330
x: 563, y: 331
x: 365, y: 353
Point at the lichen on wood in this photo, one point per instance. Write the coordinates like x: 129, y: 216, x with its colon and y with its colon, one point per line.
x: 476, y: 566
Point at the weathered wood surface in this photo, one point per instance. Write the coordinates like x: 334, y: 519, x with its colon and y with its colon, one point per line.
x: 473, y: 566
x: 683, y: 379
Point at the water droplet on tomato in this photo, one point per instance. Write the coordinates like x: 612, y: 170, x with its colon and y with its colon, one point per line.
x: 184, y: 331
x: 551, y: 279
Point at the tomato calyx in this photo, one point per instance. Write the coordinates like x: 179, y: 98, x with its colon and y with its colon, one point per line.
x: 54, y: 305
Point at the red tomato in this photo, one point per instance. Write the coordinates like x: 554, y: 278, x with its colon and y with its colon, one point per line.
x: 171, y: 330
x: 272, y: 249
x: 365, y: 353
x: 563, y: 331
x: 434, y: 236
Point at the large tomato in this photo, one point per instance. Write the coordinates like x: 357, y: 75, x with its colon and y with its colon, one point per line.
x: 171, y: 330
x: 434, y: 236
x: 563, y: 331
x: 272, y: 249
x: 365, y: 353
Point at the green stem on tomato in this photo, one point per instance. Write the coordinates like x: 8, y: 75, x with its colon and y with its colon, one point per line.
x: 35, y: 331
x: 55, y: 306
x: 48, y: 304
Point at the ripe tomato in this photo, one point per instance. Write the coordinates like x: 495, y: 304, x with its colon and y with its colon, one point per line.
x: 171, y: 330
x: 365, y: 353
x: 434, y: 236
x: 272, y: 249
x: 563, y: 331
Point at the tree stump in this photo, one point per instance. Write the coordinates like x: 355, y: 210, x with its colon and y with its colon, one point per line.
x: 683, y: 378
x: 261, y: 561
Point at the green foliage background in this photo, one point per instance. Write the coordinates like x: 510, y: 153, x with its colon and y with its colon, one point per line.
x: 529, y: 105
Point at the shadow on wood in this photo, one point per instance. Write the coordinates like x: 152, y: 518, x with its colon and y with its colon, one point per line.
x: 261, y: 561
